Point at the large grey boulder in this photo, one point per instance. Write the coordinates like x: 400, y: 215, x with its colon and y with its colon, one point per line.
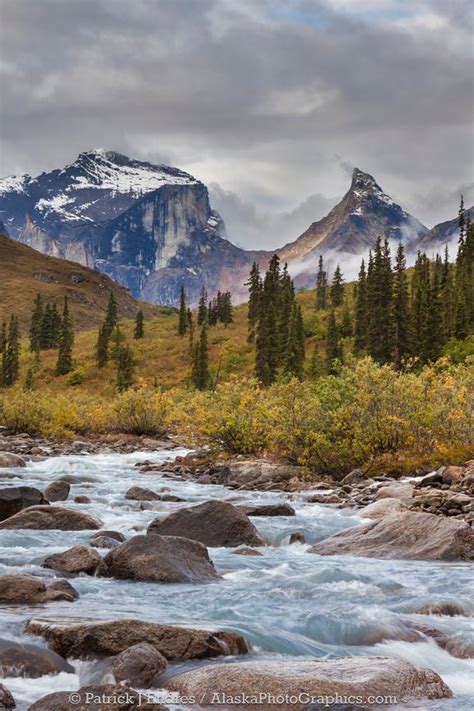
x: 405, y: 535
x: 30, y: 590
x: 29, y: 660
x: 350, y: 676
x: 15, y: 498
x: 213, y: 523
x: 50, y: 518
x: 58, y: 490
x: 138, y: 665
x: 160, y: 559
x: 79, y: 559
x: 8, y: 459
x: 104, y: 639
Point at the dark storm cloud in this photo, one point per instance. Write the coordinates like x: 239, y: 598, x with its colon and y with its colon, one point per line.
x: 270, y: 99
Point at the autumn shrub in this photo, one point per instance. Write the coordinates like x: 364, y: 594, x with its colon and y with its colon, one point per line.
x: 140, y: 412
x: 233, y: 417
x: 24, y: 411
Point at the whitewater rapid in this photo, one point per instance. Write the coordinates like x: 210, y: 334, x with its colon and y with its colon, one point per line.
x: 284, y: 602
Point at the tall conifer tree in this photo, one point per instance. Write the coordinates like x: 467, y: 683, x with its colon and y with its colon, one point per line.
x: 321, y: 285
x: 183, y: 313
x: 400, y: 310
x: 66, y: 342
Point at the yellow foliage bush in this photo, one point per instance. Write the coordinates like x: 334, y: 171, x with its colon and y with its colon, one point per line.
x: 140, y: 412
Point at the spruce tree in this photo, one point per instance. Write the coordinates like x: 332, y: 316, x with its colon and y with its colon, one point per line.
x: 337, y: 288
x: 333, y: 347
x: 379, y: 303
x: 295, y: 346
x: 360, y: 326
x: 102, y: 347
x: 11, y: 354
x: 56, y: 324
x: 448, y: 309
x: 202, y: 307
x: 3, y: 337
x: 117, y: 340
x: 46, y: 329
x: 268, y: 344
x: 400, y: 310
x: 321, y: 285
x: 255, y: 298
x: 183, y: 313
x: 66, y: 341
x: 347, y: 327
x: 226, y: 310
x: 36, y: 322
x: 139, y: 331
x: 200, y: 371
x: 111, y: 316
x: 125, y: 368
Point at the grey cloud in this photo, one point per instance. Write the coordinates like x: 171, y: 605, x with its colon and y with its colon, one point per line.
x: 272, y: 100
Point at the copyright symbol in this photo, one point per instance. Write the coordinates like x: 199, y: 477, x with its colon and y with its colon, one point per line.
x: 74, y: 699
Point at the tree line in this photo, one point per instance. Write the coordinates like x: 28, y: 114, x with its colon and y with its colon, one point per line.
x: 209, y: 313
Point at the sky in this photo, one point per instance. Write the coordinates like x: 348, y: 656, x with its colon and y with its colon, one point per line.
x: 271, y: 103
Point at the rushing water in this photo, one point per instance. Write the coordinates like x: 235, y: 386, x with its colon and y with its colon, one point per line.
x: 285, y: 602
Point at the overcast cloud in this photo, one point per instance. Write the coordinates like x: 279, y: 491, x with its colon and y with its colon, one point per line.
x: 269, y: 102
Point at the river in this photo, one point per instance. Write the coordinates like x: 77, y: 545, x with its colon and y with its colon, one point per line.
x: 285, y: 602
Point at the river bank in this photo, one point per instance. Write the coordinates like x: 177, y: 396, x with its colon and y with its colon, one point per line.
x: 288, y: 607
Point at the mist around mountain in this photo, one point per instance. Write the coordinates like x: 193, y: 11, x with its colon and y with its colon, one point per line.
x: 152, y: 228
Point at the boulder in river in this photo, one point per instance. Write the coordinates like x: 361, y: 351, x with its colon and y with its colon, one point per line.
x: 95, y: 698
x: 138, y: 665
x: 267, y: 509
x: 8, y: 459
x: 350, y: 676
x: 29, y: 660
x: 50, y: 518
x: 104, y: 542
x: 15, y: 498
x: 160, y: 559
x: 402, y: 490
x: 247, y: 551
x: 213, y: 523
x: 6, y: 699
x: 79, y: 559
x: 58, y: 490
x: 448, y: 608
x: 138, y: 493
x: 116, y: 535
x: 28, y: 589
x: 405, y: 535
x: 383, y: 507
x: 105, y: 639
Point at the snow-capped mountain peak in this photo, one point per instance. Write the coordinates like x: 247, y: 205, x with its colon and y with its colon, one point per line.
x: 97, y: 186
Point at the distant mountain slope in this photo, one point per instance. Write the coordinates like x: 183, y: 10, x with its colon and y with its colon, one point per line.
x: 24, y: 272
x: 353, y: 225
x: 445, y: 233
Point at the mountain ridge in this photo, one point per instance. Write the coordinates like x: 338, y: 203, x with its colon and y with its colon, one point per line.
x: 152, y: 227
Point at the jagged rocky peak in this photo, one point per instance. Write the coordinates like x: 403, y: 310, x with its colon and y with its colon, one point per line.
x: 365, y: 190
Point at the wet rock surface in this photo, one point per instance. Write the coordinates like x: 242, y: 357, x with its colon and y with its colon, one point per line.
x: 51, y: 517
x: 29, y: 589
x: 160, y: 559
x: 79, y: 559
x: 357, y: 676
x: 112, y: 638
x: 406, y: 536
x: 213, y: 523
